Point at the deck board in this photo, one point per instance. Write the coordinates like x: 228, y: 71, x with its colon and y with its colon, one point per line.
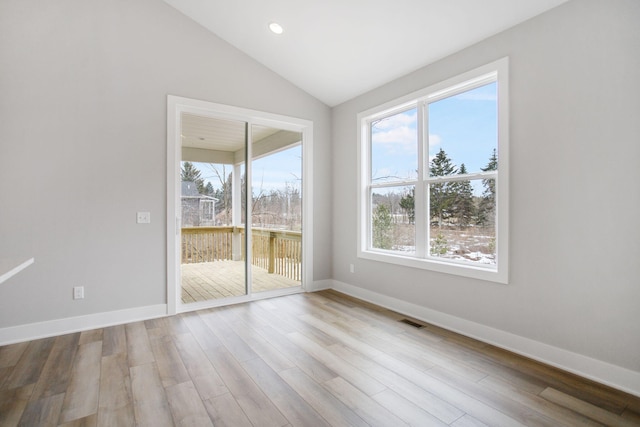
x: 222, y: 279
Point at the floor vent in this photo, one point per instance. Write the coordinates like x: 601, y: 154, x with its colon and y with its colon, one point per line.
x: 412, y: 323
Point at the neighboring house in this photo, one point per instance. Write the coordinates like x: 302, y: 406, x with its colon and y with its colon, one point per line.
x: 197, y: 209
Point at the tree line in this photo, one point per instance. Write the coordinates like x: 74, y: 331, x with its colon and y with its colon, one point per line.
x: 276, y: 207
x: 451, y: 203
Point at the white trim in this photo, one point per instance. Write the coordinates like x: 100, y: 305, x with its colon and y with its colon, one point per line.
x: 9, y: 267
x: 496, y: 71
x: 173, y: 214
x: 602, y: 372
x: 307, y: 206
x: 177, y: 105
x: 502, y: 184
x: 363, y: 168
x: 50, y: 328
x: 420, y: 195
x: 390, y: 184
x: 248, y: 214
x: 320, y: 285
x: 256, y: 296
x: 597, y: 370
x: 458, y: 268
x: 459, y: 177
x: 442, y: 89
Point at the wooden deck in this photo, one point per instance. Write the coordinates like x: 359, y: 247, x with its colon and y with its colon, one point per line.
x: 221, y: 279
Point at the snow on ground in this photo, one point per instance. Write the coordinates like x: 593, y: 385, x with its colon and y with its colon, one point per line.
x: 459, y: 245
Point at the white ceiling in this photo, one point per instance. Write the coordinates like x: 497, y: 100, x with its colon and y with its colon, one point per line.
x: 210, y: 133
x: 338, y: 49
x: 215, y: 140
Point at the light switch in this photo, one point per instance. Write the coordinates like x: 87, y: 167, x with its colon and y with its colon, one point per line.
x: 144, y: 217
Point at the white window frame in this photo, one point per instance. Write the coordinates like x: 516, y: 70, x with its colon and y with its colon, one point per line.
x: 496, y: 71
x: 207, y: 209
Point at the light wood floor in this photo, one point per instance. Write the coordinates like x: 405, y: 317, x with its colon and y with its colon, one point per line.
x: 300, y: 360
x: 221, y: 279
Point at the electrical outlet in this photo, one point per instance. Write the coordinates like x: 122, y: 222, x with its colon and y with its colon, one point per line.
x: 78, y: 292
x: 352, y: 268
x: 143, y: 218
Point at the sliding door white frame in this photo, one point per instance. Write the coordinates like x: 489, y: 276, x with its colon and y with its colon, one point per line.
x: 175, y: 107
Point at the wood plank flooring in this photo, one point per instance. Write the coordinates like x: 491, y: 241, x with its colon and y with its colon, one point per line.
x: 321, y: 359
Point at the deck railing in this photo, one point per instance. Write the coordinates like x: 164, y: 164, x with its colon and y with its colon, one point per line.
x: 277, y: 251
x: 206, y: 244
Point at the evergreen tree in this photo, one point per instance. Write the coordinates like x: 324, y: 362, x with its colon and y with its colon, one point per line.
x: 208, y: 189
x: 442, y: 196
x: 487, y: 205
x: 463, y: 207
x: 490, y: 184
x: 382, y: 224
x: 191, y: 174
x: 407, y: 203
x: 439, y: 245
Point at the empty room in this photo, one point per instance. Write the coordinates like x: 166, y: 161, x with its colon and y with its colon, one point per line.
x: 297, y: 213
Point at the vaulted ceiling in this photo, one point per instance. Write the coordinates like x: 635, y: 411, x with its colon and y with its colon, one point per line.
x: 338, y: 49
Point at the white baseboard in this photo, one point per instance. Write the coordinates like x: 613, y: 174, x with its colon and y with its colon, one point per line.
x: 597, y: 370
x: 32, y: 331
x: 320, y: 285
x: 50, y: 328
x: 605, y: 373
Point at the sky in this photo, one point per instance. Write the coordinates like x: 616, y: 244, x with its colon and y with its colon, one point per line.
x: 464, y: 126
x: 279, y: 169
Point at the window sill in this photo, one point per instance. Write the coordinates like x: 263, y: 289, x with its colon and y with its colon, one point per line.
x: 474, y: 272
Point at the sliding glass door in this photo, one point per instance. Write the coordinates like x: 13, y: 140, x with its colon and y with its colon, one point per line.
x: 212, y: 265
x: 276, y: 209
x: 225, y: 170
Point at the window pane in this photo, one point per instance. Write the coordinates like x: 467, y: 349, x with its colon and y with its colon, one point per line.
x: 463, y: 221
x: 393, y: 219
x: 276, y: 209
x: 394, y: 148
x: 206, y: 194
x: 277, y: 190
x: 463, y: 131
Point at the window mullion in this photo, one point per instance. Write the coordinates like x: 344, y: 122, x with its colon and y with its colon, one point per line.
x: 465, y: 177
x: 367, y: 176
x: 393, y: 184
x: 420, y: 199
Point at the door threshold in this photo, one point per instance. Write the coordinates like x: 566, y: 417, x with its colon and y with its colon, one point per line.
x: 221, y: 302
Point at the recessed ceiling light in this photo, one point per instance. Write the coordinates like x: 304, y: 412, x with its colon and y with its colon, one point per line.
x: 276, y: 28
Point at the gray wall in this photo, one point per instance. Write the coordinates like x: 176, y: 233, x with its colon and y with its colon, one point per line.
x: 83, y: 90
x: 574, y: 200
